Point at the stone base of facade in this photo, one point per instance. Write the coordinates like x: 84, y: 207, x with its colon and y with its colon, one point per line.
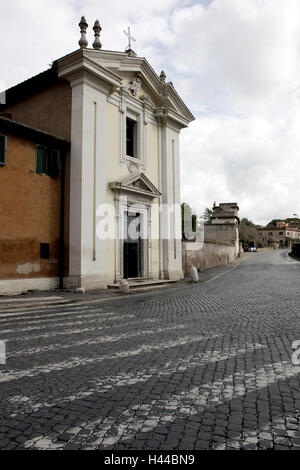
x: 19, y: 286
x: 87, y: 282
x: 175, y: 275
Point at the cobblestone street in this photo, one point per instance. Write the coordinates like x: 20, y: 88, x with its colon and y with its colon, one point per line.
x: 196, y: 366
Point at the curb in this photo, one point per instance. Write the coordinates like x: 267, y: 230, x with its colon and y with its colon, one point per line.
x: 138, y: 292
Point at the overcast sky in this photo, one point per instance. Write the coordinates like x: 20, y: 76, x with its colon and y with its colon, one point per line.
x: 236, y: 64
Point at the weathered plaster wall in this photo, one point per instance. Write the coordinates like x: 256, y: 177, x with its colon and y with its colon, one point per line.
x: 211, y: 256
x: 30, y: 214
x: 228, y: 233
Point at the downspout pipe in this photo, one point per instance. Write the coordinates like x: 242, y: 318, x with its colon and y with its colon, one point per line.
x: 62, y: 222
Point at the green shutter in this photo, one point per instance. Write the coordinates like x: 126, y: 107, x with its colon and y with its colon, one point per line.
x: 40, y: 160
x: 47, y: 161
x: 2, y: 150
x: 53, y: 163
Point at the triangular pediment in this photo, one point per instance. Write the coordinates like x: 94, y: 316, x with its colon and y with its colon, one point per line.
x: 159, y: 93
x: 137, y: 183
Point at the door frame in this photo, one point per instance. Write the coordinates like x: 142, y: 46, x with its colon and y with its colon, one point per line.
x: 124, y: 204
x: 138, y: 243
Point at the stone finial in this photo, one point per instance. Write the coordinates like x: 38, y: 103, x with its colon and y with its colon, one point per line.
x: 83, y: 42
x: 163, y: 76
x: 97, y: 30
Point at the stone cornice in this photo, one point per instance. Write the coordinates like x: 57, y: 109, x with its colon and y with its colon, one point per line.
x: 75, y: 64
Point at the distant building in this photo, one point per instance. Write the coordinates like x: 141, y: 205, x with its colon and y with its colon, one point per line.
x: 281, y: 236
x: 224, y: 225
x: 221, y: 240
x: 225, y: 213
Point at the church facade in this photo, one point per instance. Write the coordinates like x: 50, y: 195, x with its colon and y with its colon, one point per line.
x: 121, y: 172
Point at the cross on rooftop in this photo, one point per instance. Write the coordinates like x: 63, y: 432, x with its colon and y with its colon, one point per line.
x: 130, y: 38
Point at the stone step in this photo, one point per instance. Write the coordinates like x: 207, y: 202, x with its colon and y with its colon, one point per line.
x: 142, y: 283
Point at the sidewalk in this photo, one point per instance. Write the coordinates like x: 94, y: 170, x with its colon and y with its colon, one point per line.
x: 37, y: 299
x: 63, y: 297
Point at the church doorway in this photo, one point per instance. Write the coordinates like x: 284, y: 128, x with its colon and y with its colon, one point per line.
x: 132, y: 255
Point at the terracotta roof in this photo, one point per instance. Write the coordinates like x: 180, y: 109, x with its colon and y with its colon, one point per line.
x: 31, y: 86
x: 30, y: 133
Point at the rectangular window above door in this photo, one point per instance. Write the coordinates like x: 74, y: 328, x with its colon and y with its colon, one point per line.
x: 131, y: 138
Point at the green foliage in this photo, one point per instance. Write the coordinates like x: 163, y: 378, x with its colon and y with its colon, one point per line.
x: 248, y: 223
x: 248, y: 232
x: 273, y: 222
x: 207, y: 215
x: 288, y: 221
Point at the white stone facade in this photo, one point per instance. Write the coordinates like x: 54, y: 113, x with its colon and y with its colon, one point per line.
x: 108, y: 90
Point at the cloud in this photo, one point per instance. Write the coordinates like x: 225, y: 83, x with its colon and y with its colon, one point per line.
x: 243, y: 160
x: 234, y: 62
x: 244, y: 52
x: 244, y: 88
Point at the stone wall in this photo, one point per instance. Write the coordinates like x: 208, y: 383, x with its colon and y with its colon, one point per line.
x: 223, y: 234
x: 296, y: 249
x: 212, y: 255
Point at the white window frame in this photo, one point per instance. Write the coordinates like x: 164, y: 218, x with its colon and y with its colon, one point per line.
x: 136, y: 118
x: 133, y: 111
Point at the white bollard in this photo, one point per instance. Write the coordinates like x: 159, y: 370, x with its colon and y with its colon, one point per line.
x: 124, y: 286
x: 194, y: 274
x: 80, y: 290
x: 2, y: 352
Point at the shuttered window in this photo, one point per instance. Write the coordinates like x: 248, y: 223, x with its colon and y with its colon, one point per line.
x: 47, y: 161
x: 2, y: 150
x: 40, y: 160
x: 53, y: 163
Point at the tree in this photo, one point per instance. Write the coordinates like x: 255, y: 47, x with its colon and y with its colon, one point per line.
x: 248, y: 232
x: 274, y: 222
x: 292, y: 220
x: 207, y: 215
x: 289, y: 220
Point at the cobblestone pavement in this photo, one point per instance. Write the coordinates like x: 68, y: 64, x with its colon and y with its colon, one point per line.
x: 204, y: 366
